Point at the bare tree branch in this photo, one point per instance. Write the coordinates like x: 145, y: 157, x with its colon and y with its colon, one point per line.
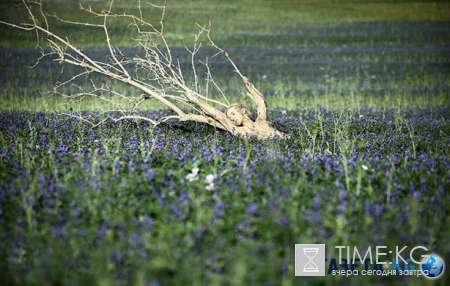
x: 156, y: 75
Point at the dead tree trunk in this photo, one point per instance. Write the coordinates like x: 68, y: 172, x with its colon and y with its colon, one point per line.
x: 164, y: 81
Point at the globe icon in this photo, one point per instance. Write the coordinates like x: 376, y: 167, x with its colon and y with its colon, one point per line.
x: 434, y: 265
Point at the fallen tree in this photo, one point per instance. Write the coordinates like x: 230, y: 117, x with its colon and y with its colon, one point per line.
x: 163, y: 81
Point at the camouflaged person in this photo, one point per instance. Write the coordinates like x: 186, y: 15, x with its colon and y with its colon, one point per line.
x: 240, y: 115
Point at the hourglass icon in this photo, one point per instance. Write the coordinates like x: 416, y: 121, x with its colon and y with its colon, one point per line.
x: 310, y: 266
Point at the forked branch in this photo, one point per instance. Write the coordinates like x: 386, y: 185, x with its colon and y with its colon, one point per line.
x: 158, y: 76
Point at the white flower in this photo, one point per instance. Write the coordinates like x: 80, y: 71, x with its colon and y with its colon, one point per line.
x: 193, y: 176
x: 209, y: 180
x: 365, y: 168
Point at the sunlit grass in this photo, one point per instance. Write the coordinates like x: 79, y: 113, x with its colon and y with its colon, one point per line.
x: 279, y: 100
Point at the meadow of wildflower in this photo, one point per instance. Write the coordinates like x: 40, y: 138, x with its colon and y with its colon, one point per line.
x: 366, y: 104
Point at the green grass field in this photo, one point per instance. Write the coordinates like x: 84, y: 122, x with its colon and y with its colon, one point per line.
x: 234, y: 22
x: 362, y: 88
x: 305, y: 54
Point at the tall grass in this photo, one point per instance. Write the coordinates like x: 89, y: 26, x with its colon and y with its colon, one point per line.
x: 122, y: 203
